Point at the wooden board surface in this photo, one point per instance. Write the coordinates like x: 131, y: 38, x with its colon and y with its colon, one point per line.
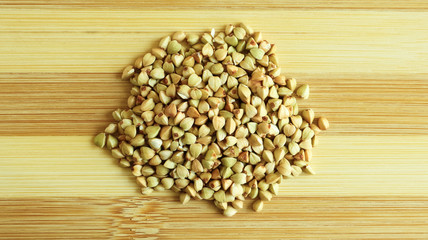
x: 366, y: 63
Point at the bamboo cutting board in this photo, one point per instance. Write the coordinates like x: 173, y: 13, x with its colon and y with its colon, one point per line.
x: 366, y: 63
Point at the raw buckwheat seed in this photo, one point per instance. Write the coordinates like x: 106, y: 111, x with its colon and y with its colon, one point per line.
x: 211, y: 117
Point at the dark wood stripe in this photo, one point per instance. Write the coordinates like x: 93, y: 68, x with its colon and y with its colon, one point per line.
x: 81, y: 104
x: 218, y: 4
x: 162, y: 217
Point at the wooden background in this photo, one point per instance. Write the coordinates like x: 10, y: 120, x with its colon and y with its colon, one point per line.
x: 366, y: 63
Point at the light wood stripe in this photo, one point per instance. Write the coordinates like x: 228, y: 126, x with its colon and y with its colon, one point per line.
x: 309, y: 41
x: 346, y: 166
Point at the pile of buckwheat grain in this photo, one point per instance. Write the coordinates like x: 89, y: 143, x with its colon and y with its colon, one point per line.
x: 211, y: 117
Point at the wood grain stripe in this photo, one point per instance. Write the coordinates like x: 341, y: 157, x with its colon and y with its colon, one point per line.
x: 219, y: 4
x: 92, y: 41
x: 346, y: 165
x: 163, y: 218
x: 81, y: 104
